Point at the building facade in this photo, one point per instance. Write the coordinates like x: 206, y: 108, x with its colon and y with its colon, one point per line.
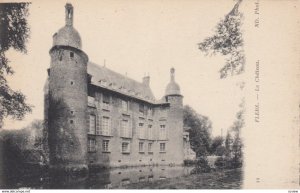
x: 99, y: 117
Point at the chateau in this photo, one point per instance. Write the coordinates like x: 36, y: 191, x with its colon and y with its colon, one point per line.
x: 99, y: 117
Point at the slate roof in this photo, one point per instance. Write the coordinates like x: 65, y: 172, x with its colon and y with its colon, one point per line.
x: 106, y: 78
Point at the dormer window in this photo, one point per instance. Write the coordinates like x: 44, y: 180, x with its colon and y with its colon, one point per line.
x: 124, y: 106
x: 114, y: 85
x: 141, y: 109
x: 106, y: 102
x: 103, y: 82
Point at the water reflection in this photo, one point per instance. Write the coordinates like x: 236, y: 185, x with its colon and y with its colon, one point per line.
x: 104, y: 179
x: 118, y: 177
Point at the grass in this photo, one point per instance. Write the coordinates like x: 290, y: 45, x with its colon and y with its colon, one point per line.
x: 225, y: 179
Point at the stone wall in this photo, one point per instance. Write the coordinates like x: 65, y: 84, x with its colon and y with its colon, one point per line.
x: 161, y: 115
x: 67, y: 108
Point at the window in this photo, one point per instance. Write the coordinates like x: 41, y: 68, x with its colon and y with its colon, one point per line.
x: 91, y: 145
x: 141, y: 109
x: 162, y: 132
x: 162, y: 147
x: 72, y: 54
x: 142, y: 131
x: 150, y: 111
x: 105, y: 146
x: 149, y: 147
x: 163, y: 112
x: 92, y: 127
x: 125, y: 129
x: 145, y: 110
x: 106, y: 102
x: 150, y: 132
x: 124, y: 106
x: 91, y: 101
x: 141, y: 146
x: 105, y: 126
x: 125, y: 147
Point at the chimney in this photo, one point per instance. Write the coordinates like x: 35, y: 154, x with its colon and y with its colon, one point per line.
x: 146, y: 80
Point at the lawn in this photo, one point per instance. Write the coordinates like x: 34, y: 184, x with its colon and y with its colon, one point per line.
x: 226, y: 179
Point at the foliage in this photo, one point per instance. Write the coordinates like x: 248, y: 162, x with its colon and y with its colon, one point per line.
x: 228, y: 145
x: 225, y: 163
x: 239, y: 123
x: 237, y: 145
x: 22, y: 151
x: 216, y: 144
x: 199, y: 131
x: 233, y: 157
x: 188, y: 162
x: 237, y: 159
x: 29, y: 137
x: 14, y: 33
x: 228, y: 41
x: 62, y: 137
x: 201, y: 166
x: 220, y: 163
x: 220, y: 151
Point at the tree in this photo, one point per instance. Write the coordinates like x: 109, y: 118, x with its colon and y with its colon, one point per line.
x: 228, y: 145
x: 199, y: 132
x: 216, y: 146
x: 228, y: 41
x: 14, y: 33
x: 237, y: 152
x: 237, y: 145
x: 21, y: 149
x: 234, y: 146
x: 239, y: 123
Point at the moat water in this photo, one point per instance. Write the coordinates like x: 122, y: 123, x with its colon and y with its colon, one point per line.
x: 104, y: 179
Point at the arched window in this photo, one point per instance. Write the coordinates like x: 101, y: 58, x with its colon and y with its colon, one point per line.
x: 69, y: 13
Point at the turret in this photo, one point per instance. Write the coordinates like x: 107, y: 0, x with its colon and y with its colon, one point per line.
x: 172, y: 88
x: 175, y: 118
x: 67, y: 112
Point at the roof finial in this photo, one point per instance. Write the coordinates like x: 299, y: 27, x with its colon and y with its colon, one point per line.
x: 69, y: 14
x: 172, y: 73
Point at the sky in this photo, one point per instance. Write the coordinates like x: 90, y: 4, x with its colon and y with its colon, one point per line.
x: 135, y: 38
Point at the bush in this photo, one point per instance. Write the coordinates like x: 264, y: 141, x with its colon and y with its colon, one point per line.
x: 228, y: 163
x: 220, y: 163
x: 236, y: 162
x: 189, y: 162
x: 201, y: 166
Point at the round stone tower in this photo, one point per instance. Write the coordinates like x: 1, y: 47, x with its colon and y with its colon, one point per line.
x: 67, y: 100
x: 175, y: 120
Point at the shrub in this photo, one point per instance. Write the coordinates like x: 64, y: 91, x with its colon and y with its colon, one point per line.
x: 201, y: 166
x: 220, y: 163
x: 228, y: 163
x: 189, y: 162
